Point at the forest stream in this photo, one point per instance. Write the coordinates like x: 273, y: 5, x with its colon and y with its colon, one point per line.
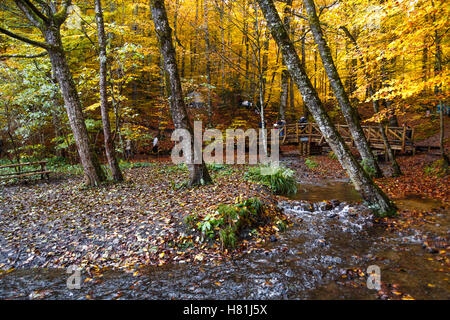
x: 319, y: 257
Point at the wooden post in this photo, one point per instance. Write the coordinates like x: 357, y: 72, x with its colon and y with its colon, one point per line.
x: 309, y: 139
x: 42, y: 170
x: 296, y: 130
x: 403, y: 138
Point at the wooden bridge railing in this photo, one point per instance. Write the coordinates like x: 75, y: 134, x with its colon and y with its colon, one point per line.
x: 400, y: 138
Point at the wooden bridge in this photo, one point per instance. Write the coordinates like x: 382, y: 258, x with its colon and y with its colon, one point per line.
x: 310, y: 139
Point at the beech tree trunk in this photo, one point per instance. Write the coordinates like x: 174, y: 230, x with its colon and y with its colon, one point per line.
x: 222, y: 51
x: 49, y: 22
x: 438, y: 92
x: 104, y: 106
x: 376, y: 107
x: 284, y: 93
x: 350, y: 113
x: 93, y: 172
x: 198, y: 173
x: 303, y: 49
x: 208, y: 60
x: 285, y: 74
x: 291, y: 98
x: 376, y: 198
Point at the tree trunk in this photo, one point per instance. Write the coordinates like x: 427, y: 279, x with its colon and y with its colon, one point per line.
x: 438, y: 92
x: 376, y: 106
x: 350, y: 113
x: 109, y: 143
x: 198, y: 173
x: 93, y: 172
x: 50, y: 28
x: 194, y: 49
x: 442, y: 137
x: 387, y: 145
x: 284, y: 93
x: 285, y: 74
x: 262, y: 63
x: 10, y: 134
x: 303, y: 41
x: 208, y: 60
x: 291, y: 98
x: 222, y: 51
x: 362, y: 182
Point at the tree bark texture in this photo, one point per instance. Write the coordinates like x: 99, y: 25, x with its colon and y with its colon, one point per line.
x: 198, y: 173
x: 116, y: 174
x: 362, y: 182
x: 350, y: 113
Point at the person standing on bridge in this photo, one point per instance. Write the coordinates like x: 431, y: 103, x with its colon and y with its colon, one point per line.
x: 302, y: 121
x: 281, y: 124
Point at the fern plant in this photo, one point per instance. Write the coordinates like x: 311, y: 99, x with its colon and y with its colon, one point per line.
x: 279, y: 179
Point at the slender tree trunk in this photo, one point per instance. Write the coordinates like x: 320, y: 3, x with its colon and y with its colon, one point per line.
x: 10, y: 134
x: 50, y: 27
x: 387, y: 145
x: 438, y: 90
x: 285, y: 74
x: 222, y: 49
x: 362, y: 182
x: 93, y: 172
x: 262, y: 61
x: 442, y: 137
x: 350, y: 113
x: 284, y: 93
x: 109, y: 143
x: 376, y: 106
x: 424, y: 62
x: 303, y: 49
x: 198, y: 172
x: 291, y: 98
x: 194, y: 50
x: 208, y: 60
x: 315, y: 69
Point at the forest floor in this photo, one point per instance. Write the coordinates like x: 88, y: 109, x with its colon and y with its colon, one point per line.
x: 58, y: 223
x: 433, y: 140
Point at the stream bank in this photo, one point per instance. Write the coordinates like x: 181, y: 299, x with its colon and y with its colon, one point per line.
x: 323, y: 255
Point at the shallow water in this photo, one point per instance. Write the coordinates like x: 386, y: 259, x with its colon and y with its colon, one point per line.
x: 414, y: 202
x: 304, y: 263
x: 315, y: 192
